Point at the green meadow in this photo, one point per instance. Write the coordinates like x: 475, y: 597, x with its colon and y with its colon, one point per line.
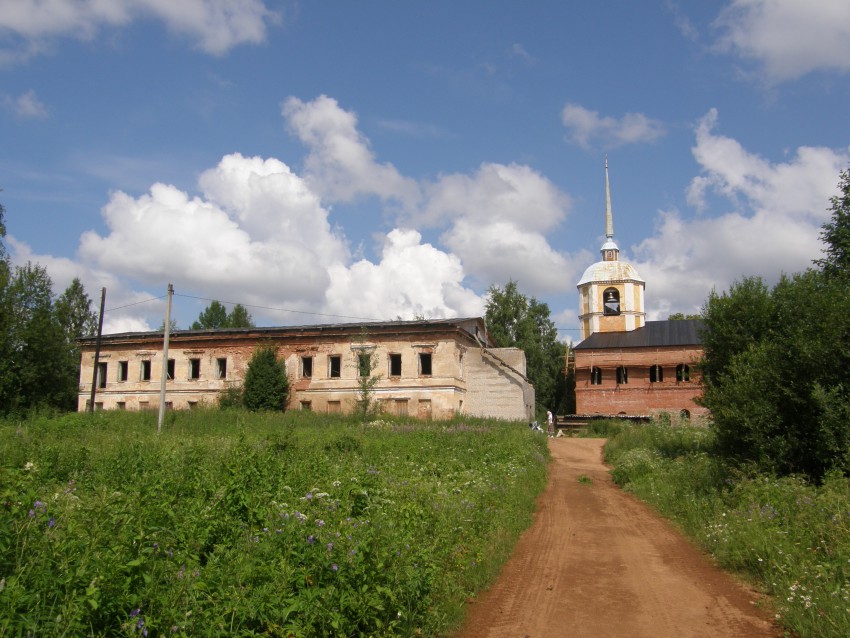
x: 245, y: 524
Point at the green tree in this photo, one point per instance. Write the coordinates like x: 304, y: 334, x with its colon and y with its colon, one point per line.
x: 266, y: 385
x: 74, y: 314
x: 213, y: 316
x: 216, y: 316
x: 836, y: 233
x: 36, y: 370
x: 680, y: 316
x: 239, y: 317
x: 514, y: 320
x: 367, y: 362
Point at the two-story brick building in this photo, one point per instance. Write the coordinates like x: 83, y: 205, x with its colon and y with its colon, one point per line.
x: 429, y: 369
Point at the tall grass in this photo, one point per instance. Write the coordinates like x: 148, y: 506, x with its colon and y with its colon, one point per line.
x: 790, y: 538
x: 231, y: 523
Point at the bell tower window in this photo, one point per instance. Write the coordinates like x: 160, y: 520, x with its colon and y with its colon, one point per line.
x: 611, y: 302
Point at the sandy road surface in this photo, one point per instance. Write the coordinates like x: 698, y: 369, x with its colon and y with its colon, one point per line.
x: 598, y: 563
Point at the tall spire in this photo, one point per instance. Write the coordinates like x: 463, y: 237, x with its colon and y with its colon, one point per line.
x: 610, y: 251
x: 609, y: 215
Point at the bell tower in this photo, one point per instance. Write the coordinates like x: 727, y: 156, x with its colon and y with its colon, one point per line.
x: 611, y: 293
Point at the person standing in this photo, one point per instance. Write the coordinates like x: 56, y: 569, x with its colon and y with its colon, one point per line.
x: 550, y: 425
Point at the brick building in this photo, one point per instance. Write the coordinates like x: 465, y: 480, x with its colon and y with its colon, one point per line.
x: 429, y: 369
x: 625, y: 365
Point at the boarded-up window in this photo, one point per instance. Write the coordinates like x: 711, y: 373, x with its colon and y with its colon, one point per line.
x: 400, y: 407
x: 334, y: 407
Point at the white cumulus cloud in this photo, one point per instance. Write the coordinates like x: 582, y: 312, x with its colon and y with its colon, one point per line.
x: 772, y: 224
x: 216, y: 26
x: 587, y: 128
x: 788, y: 38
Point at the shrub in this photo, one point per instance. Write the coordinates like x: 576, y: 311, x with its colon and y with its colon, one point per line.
x: 266, y: 384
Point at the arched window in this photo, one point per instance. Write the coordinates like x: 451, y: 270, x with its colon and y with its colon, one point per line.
x: 622, y: 375
x: 656, y: 374
x: 611, y: 302
x: 683, y: 372
x: 684, y: 415
x: 595, y: 376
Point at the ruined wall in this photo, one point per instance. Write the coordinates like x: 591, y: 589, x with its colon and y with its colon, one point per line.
x: 496, y: 386
x: 425, y: 375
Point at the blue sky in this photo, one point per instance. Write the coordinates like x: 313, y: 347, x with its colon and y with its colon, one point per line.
x: 385, y: 159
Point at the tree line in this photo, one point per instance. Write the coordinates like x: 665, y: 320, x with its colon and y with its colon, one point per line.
x: 776, y: 369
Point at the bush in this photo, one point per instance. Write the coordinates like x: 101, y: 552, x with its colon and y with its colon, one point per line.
x: 266, y: 384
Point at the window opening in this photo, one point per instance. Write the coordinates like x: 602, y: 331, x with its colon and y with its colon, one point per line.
x: 595, y: 376
x: 656, y: 374
x: 395, y: 365
x: 221, y: 368
x: 194, y: 369
x: 683, y: 372
x: 307, y: 406
x: 364, y: 364
x: 146, y: 370
x: 622, y: 375
x: 611, y: 302
x: 425, y: 364
x: 123, y: 367
x: 170, y: 369
x: 101, y: 375
x: 122, y: 405
x: 307, y: 367
x: 334, y: 366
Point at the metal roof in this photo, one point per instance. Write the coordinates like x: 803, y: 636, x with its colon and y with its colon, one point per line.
x: 654, y: 334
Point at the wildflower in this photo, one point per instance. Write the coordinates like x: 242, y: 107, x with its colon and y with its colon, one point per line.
x: 51, y: 522
x: 320, y: 523
x: 135, y: 612
x: 330, y: 547
x: 311, y: 539
x: 335, y: 567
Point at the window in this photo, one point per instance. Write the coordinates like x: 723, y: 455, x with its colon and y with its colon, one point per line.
x: 101, y: 375
x: 194, y: 368
x: 307, y: 367
x: 364, y: 364
x: 334, y: 366
x: 656, y: 374
x: 123, y: 366
x: 425, y: 364
x: 307, y: 406
x: 595, y: 376
x: 144, y: 405
x: 622, y: 375
x: 611, y: 302
x: 683, y: 372
x: 334, y: 407
x: 145, y: 370
x: 121, y: 405
x: 193, y: 405
x: 684, y: 415
x: 395, y: 365
x: 170, y: 369
x: 221, y: 368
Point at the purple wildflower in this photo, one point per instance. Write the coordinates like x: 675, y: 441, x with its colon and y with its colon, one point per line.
x: 51, y: 522
x: 320, y: 523
x: 135, y: 612
x: 335, y: 567
x: 330, y: 547
x: 311, y: 539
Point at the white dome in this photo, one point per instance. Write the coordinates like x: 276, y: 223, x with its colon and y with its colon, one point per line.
x: 604, y: 271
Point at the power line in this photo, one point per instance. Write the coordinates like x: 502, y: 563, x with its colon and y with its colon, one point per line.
x: 135, y: 303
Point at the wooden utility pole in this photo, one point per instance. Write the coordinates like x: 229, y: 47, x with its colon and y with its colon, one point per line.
x: 97, y: 351
x: 166, y: 333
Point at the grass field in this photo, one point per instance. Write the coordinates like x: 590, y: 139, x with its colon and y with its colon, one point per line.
x: 790, y: 538
x: 239, y: 524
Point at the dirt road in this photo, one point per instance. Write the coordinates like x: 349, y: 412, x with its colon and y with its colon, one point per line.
x: 599, y: 563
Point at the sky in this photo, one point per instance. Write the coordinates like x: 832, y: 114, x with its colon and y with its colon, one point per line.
x: 327, y: 162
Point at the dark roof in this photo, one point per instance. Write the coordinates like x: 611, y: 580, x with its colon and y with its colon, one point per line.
x: 474, y: 326
x: 684, y: 332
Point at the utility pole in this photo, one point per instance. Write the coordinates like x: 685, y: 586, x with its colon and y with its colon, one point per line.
x: 166, y: 333
x: 97, y: 351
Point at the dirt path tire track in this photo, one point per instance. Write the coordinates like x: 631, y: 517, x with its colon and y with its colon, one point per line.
x: 598, y: 563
